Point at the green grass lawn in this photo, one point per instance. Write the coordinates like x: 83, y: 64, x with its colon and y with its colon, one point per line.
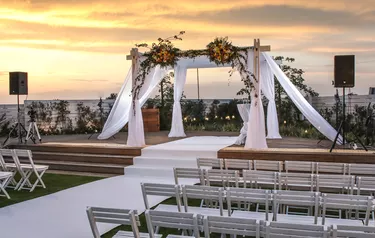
x: 53, y: 182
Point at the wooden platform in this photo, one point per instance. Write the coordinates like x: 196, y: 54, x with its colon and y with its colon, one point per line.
x: 300, y: 154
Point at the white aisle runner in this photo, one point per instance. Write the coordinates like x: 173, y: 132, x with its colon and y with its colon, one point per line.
x: 63, y: 214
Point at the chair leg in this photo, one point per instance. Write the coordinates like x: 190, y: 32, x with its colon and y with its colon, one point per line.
x: 3, y: 185
x: 38, y: 179
x: 25, y: 180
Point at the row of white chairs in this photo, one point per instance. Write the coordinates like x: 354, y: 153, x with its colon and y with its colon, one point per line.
x: 192, y: 225
x: 289, y: 166
x: 283, y: 203
x: 15, y: 161
x: 279, y: 180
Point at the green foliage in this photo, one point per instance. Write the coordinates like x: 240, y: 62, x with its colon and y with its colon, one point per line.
x: 4, y: 126
x: 112, y: 96
x: 87, y: 120
x: 43, y: 116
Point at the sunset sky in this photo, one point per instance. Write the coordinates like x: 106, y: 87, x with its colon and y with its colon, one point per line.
x: 77, y: 49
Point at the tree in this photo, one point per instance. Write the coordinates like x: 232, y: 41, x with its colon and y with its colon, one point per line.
x: 286, y: 109
x: 112, y: 96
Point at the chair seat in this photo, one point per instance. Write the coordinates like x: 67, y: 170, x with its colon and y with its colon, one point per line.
x: 252, y: 215
x: 29, y: 167
x: 4, y: 175
x: 337, y: 221
x: 295, y: 219
x: 206, y: 211
x: 166, y: 208
x: 122, y: 234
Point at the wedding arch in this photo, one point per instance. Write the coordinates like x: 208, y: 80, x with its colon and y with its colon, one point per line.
x: 256, y: 68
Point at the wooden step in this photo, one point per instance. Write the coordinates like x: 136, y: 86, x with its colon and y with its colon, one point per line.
x: 83, y: 167
x: 90, y: 158
x: 81, y: 149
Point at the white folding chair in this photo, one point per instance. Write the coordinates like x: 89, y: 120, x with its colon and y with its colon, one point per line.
x: 361, y: 169
x: 5, y: 178
x: 296, y: 181
x: 365, y: 185
x: 210, y: 163
x: 26, y: 170
x: 331, y: 168
x: 244, y: 197
x: 301, y: 200
x: 177, y: 220
x: 224, y: 178
x: 231, y: 226
x: 212, y: 196
x: 8, y: 167
x: 190, y: 173
x: 342, y: 231
x: 115, y: 216
x: 238, y: 164
x: 163, y: 190
x: 332, y: 182
x: 291, y: 230
x: 260, y: 179
x: 268, y: 165
x: 300, y: 166
x: 348, y: 203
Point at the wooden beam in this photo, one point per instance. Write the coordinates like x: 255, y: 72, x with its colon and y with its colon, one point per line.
x: 134, y: 57
x: 262, y: 48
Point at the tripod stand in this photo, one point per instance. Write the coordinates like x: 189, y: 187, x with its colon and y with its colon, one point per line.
x: 342, y: 127
x: 18, y: 127
x: 31, y: 132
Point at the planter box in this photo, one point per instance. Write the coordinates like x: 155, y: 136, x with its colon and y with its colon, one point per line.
x: 151, y: 120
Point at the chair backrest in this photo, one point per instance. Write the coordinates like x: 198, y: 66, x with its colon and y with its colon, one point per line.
x: 213, y: 163
x: 256, y: 178
x: 164, y: 190
x: 365, y: 185
x: 331, y: 168
x: 26, y: 155
x: 13, y: 155
x: 4, y: 153
x: 335, y: 181
x: 296, y: 198
x: 209, y: 194
x: 289, y: 230
x: 361, y: 169
x: 175, y: 220
x: 296, y: 180
x: 269, y: 165
x: 225, y: 178
x: 341, y: 231
x: 231, y: 226
x: 248, y: 195
x: 190, y: 173
x: 112, y: 216
x: 347, y: 202
x: 300, y: 166
x: 239, y: 164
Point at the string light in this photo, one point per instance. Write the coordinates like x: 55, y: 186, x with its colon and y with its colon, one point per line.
x: 233, y: 117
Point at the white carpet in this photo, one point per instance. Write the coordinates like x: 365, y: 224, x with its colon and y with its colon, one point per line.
x: 63, y: 214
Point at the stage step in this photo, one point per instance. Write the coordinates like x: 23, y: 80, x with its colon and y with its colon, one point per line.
x: 143, y: 171
x: 90, y: 158
x: 165, y: 162
x: 100, y: 168
x: 180, y: 152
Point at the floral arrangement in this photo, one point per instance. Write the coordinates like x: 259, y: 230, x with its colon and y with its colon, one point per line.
x: 165, y: 54
x: 221, y: 51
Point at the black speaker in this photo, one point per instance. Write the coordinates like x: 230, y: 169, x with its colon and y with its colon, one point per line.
x: 344, y: 71
x: 18, y: 83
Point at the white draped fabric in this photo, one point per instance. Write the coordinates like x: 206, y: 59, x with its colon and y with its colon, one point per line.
x: 267, y: 83
x: 177, y: 129
x: 119, y: 115
x: 244, y: 110
x: 136, y: 135
x: 306, y: 109
x: 256, y: 133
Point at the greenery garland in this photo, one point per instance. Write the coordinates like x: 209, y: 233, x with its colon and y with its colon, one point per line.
x: 165, y: 54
